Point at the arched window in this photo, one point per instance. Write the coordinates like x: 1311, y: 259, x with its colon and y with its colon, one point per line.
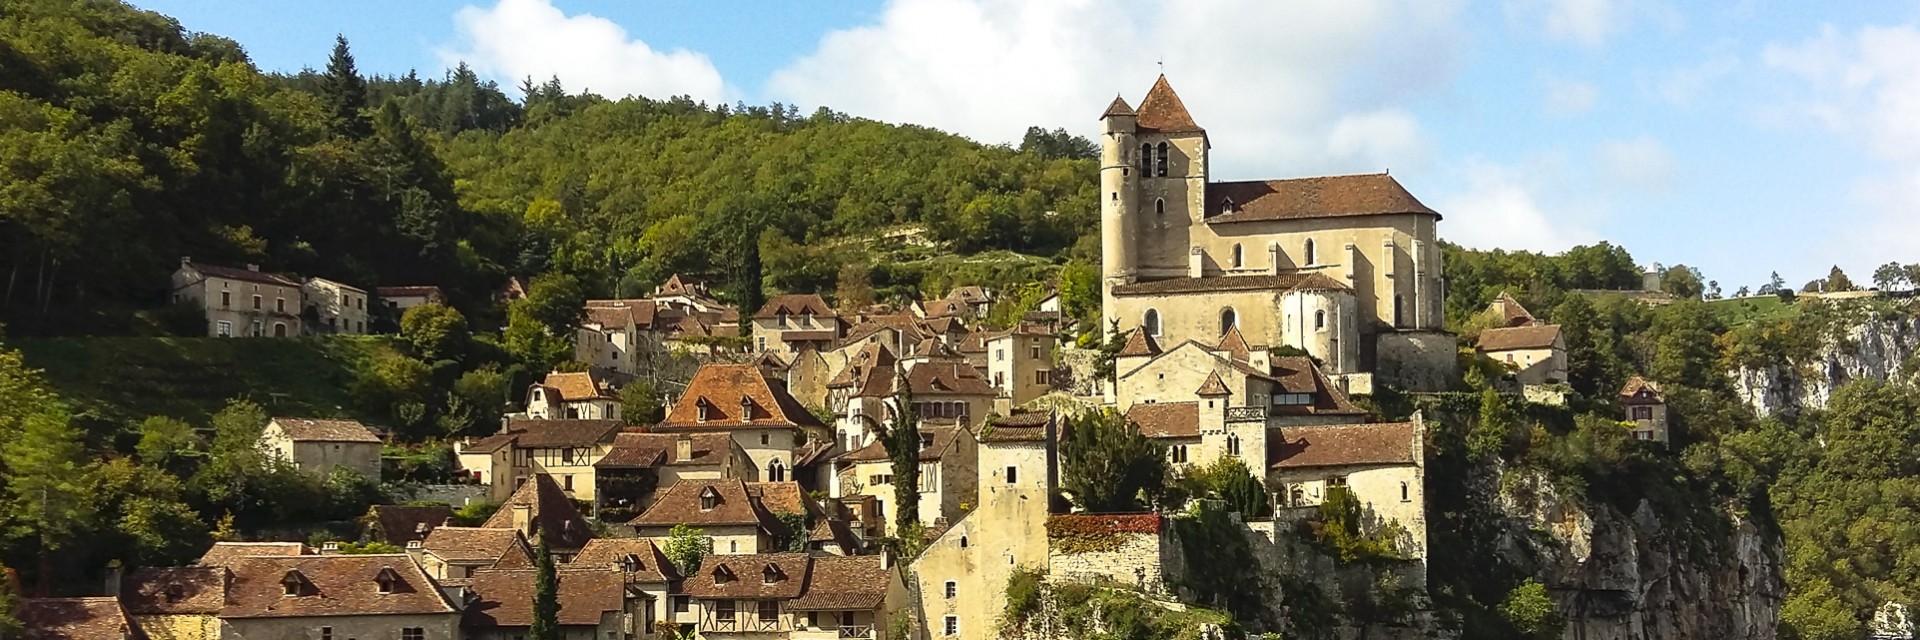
x: 963, y: 542
x: 1239, y: 256
x: 1151, y: 323
x: 1146, y: 159
x: 1160, y: 207
x: 1228, y: 320
x: 776, y: 472
x: 1310, y: 256
x: 1233, y: 445
x: 1396, y: 310
x: 1319, y: 321
x: 1160, y: 163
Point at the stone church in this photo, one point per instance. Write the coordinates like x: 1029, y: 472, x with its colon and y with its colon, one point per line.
x: 1347, y: 268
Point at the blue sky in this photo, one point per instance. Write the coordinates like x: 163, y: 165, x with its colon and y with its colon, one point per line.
x: 1739, y: 137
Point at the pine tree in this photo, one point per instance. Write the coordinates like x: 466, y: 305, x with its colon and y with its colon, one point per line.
x: 546, y: 596
x: 47, y: 492
x: 344, y: 92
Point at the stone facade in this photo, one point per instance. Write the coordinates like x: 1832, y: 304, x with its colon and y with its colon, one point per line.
x: 1142, y: 555
x: 1006, y: 532
x: 240, y: 302
x: 338, y: 307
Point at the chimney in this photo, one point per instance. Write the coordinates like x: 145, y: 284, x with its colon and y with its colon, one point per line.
x: 115, y: 571
x: 506, y: 423
x: 886, y: 560
x: 1273, y: 258
x: 253, y: 267
x: 683, y: 449
x: 523, y: 518
x: 1196, y: 262
x: 186, y: 261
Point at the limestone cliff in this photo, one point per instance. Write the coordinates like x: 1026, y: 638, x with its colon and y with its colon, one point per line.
x: 1619, y: 576
x: 1865, y: 346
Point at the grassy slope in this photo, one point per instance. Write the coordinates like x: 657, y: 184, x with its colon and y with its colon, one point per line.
x: 1737, y: 312
x: 128, y: 379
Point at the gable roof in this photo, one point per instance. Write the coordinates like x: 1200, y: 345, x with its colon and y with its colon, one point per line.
x: 843, y: 583
x: 248, y: 275
x: 1304, y: 198
x: 1235, y: 344
x: 325, y: 430
x: 1303, y: 281
x: 468, y: 545
x: 1539, y: 336
x: 1510, y: 311
x: 1298, y: 374
x: 1139, y: 344
x: 611, y: 317
x: 1118, y: 107
x: 948, y: 378
x: 869, y: 371
x: 968, y: 294
x: 1341, y: 445
x: 553, y: 513
x: 1022, y: 426
x: 680, y: 504
x: 1630, y: 393
x: 1213, y: 387
x: 339, y: 585
x: 175, y: 590
x: 1162, y: 111
x: 636, y: 450
x: 400, y: 524
x: 74, y: 619
x: 720, y: 387
x: 653, y: 565
x: 1166, y: 419
x: 795, y: 304
x: 224, y: 553
x: 939, y: 439
x: 575, y: 386
x: 535, y: 434
x: 504, y: 597
x: 747, y: 572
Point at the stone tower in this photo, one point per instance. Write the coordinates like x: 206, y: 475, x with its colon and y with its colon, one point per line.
x: 1117, y: 201
x: 1153, y: 175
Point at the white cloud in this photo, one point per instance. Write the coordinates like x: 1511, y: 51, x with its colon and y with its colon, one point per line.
x: 1867, y: 86
x: 1590, y: 23
x: 1641, y: 165
x: 1500, y: 209
x: 1570, y: 97
x: 1306, y: 86
x: 1682, y: 85
x: 515, y: 39
x: 1587, y: 22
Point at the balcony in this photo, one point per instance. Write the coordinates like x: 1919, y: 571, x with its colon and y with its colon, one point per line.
x: 856, y: 631
x: 744, y: 622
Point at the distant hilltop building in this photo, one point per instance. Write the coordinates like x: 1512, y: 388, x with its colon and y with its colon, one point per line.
x: 1347, y: 268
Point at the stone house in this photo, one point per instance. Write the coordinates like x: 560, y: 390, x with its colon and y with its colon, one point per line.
x: 639, y: 464
x: 1642, y: 404
x: 596, y: 603
x: 318, y: 445
x: 399, y: 299
x: 648, y: 573
x: 400, y: 525
x: 563, y: 449
x: 367, y: 597
x: 224, y: 553
x: 743, y: 401
x: 1383, y: 465
x: 792, y: 595
x: 1207, y: 402
x: 335, y: 307
x: 962, y: 576
x: 789, y: 323
x: 454, y: 553
x: 541, y: 508
x: 949, y: 470
x: 1019, y: 365
x: 609, y: 334
x: 1536, y: 353
x: 175, y: 603
x: 581, y: 395
x: 240, y: 302
x: 724, y: 510
x: 949, y: 391
x: 99, y: 618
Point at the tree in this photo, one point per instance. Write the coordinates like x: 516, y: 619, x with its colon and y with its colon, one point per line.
x: 1889, y: 276
x: 1682, y: 281
x: 48, y: 496
x: 435, y: 331
x: 1531, y: 611
x: 1229, y: 480
x: 1685, y: 351
x: 1109, y: 467
x: 686, y: 546
x: 1837, y: 281
x: 1742, y: 292
x: 853, y: 288
x: 164, y: 439
x: 344, y: 92
x: 639, y: 404
x: 1058, y: 144
x: 546, y: 595
x: 1491, y: 434
x: 900, y: 436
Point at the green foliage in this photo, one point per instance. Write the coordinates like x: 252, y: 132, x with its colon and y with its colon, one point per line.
x: 368, y: 548
x: 686, y: 546
x: 1026, y: 592
x: 474, y: 514
x: 1474, y: 278
x: 797, y: 526
x: 640, y: 404
x: 164, y: 439
x: 1685, y: 351
x: 1531, y: 611
x: 1221, y: 570
x: 546, y: 595
x: 1351, y: 534
x: 1104, y: 611
x: 46, y: 499
x: 900, y: 436
x: 1230, y: 481
x: 435, y: 331
x: 1108, y: 466
x: 1683, y: 282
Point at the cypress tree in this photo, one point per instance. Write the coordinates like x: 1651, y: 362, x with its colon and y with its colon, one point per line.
x: 546, y: 596
x: 344, y: 92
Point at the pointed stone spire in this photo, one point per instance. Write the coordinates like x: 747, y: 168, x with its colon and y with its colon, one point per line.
x: 1118, y: 108
x: 1162, y: 111
x: 1214, y: 387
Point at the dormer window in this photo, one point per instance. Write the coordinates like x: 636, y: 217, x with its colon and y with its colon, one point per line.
x: 723, y: 575
x: 702, y: 410
x: 388, y: 580
x: 782, y: 317
x: 746, y: 408
x: 709, y: 499
x: 631, y: 563
x: 175, y: 592
x: 293, y: 584
x: 1227, y: 206
x: 926, y: 440
x: 771, y: 574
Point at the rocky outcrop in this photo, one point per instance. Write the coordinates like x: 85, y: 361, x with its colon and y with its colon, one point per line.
x: 1621, y: 576
x: 1871, y: 347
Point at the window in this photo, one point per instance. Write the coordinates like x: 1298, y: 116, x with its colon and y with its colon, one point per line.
x: 951, y: 626
x: 1292, y: 399
x: 880, y: 479
x: 1310, y: 256
x: 681, y: 603
x: 1033, y: 352
x: 709, y: 499
x: 1406, y: 494
x: 413, y: 633
x: 1642, y: 435
x: 764, y: 439
x: 1233, y: 445
x: 567, y: 481
x: 1238, y: 256
x: 733, y: 546
x: 776, y: 471
x: 280, y: 305
x: 1013, y: 475
x: 1040, y: 377
x: 963, y: 542
x: 223, y: 329
x: 1160, y: 161
x: 769, y: 610
x: 1000, y: 355
x: 256, y: 301
x: 1146, y: 159
x: 1643, y: 413
x: 1178, y: 453
x: 953, y: 589
x: 813, y: 619
x: 566, y: 456
x: 1228, y: 320
x: 1319, y: 321
x: 226, y: 299
x: 723, y: 609
x: 1151, y: 324
x: 1160, y: 208
x: 326, y: 633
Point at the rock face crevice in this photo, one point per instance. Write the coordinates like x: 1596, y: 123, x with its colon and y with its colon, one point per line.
x: 1875, y: 347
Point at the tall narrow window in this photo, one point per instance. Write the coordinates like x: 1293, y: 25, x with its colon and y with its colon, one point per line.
x: 1160, y: 207
x: 1228, y: 320
x: 1146, y: 159
x: 1160, y: 161
x: 1310, y: 256
x: 1151, y: 324
x: 1396, y: 310
x: 1319, y: 321
x: 1239, y: 257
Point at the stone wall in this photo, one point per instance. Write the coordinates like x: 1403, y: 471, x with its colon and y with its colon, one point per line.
x: 1416, y: 360
x: 1137, y: 550
x: 458, y: 495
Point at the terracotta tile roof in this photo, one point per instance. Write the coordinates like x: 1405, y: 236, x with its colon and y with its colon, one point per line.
x: 779, y: 497
x: 869, y: 371
x: 968, y: 294
x: 795, y: 304
x: 1118, y: 107
x: 1214, y: 387
x: 74, y: 619
x: 943, y: 308
x: 1235, y: 344
x: 1166, y: 419
x: 1107, y: 522
x: 1162, y: 111
x: 492, y: 443
x: 505, y: 597
x: 224, y: 553
x: 1539, y: 336
x: 248, y: 275
x: 720, y: 387
x: 676, y: 286
x: 324, y: 430
x: 578, y: 385
x: 844, y: 583
x: 681, y: 504
x: 1270, y: 282
x: 946, y: 325
x: 1510, y: 311
x: 1139, y: 344
x: 1341, y: 445
x: 400, y: 524
x: 636, y: 450
x: 812, y: 453
x: 332, y: 585
x: 1298, y: 374
x: 536, y: 434
x: 938, y: 440
x: 553, y: 513
x: 467, y: 545
x: 1304, y: 198
x: 808, y: 336
x: 909, y: 330
x: 646, y: 564
x: 948, y: 379
x: 412, y: 291
x: 175, y: 590
x: 1639, y: 390
x: 610, y: 318
x: 745, y: 577
x: 1022, y: 426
